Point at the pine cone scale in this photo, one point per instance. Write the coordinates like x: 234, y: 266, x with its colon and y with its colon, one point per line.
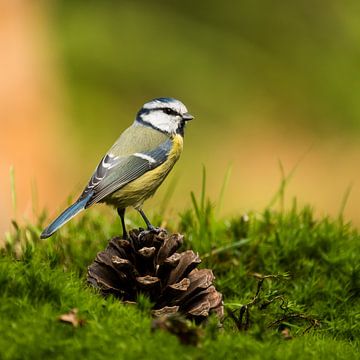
x: 166, y: 310
x: 169, y: 247
x: 188, y: 261
x: 118, y: 247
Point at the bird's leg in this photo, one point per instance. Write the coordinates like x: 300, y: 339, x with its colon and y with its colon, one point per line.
x: 150, y: 227
x: 147, y: 222
x: 121, y: 213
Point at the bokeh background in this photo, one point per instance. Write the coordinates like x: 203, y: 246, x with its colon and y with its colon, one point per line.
x: 266, y: 80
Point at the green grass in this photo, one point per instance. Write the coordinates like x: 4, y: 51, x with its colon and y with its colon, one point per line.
x: 306, y: 271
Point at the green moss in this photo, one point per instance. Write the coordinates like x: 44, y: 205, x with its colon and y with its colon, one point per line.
x: 314, y: 292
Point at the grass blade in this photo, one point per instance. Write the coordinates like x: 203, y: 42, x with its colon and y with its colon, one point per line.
x: 344, y: 201
x: 286, y: 179
x: 203, y: 190
x: 223, y: 188
x: 195, y: 205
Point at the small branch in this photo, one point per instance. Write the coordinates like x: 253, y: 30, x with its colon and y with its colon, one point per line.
x: 313, y: 323
x: 244, y: 309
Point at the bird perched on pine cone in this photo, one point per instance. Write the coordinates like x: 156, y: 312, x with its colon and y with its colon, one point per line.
x: 136, y: 165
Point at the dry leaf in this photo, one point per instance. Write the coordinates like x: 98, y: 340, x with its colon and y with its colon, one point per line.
x: 72, y: 318
x: 286, y: 334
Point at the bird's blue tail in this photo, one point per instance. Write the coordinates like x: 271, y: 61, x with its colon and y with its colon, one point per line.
x: 67, y: 215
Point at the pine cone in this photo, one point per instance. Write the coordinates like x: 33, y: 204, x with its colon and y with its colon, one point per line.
x: 149, y: 264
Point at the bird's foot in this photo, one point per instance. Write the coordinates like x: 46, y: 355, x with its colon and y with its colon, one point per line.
x: 151, y: 230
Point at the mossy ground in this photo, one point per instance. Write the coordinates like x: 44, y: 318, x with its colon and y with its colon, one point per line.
x: 313, y: 292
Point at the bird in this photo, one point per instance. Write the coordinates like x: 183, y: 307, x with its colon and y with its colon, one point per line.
x: 136, y: 165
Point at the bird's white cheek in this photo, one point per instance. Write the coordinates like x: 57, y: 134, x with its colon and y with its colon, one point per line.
x: 161, y: 121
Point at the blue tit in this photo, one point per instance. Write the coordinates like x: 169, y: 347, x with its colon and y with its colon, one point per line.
x: 136, y: 164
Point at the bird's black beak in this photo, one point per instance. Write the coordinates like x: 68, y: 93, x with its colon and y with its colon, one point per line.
x: 187, y: 117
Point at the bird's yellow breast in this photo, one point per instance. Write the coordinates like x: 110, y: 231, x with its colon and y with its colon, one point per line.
x: 138, y: 190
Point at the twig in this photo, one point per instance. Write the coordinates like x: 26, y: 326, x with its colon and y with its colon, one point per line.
x: 313, y: 323
x: 244, y: 309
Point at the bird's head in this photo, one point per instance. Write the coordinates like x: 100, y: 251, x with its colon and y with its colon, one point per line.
x: 167, y: 115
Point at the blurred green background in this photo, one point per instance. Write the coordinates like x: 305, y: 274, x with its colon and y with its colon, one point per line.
x: 266, y: 80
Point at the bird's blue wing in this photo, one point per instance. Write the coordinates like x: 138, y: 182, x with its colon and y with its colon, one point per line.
x: 114, y: 172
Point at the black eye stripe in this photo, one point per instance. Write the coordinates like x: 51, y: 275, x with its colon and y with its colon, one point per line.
x: 169, y: 111
x: 165, y: 110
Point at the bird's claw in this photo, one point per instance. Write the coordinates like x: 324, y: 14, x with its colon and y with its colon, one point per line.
x: 151, y: 230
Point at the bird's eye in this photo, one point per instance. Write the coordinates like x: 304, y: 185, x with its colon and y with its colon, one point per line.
x: 169, y: 111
